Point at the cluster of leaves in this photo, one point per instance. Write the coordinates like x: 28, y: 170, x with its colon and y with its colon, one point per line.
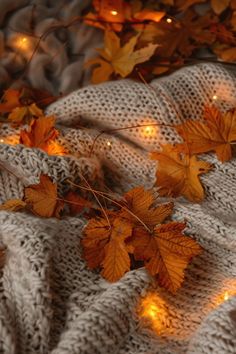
x: 19, y: 108
x: 178, y: 166
x: 134, y: 233
x: 161, y: 35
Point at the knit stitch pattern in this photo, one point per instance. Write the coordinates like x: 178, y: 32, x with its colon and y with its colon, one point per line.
x: 50, y: 302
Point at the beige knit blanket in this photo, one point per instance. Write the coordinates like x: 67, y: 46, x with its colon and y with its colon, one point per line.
x: 49, y: 301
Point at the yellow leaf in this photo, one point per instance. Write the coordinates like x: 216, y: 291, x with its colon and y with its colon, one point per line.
x: 117, y: 59
x: 13, y: 205
x: 24, y: 114
x: 216, y: 133
x: 177, y: 174
x: 10, y: 100
x: 42, y: 198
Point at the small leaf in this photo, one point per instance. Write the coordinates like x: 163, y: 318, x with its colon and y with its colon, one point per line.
x: 13, y: 205
x: 10, y: 100
x: 177, y: 173
x: 42, y: 198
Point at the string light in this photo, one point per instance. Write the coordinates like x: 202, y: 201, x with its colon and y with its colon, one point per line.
x: 1, y: 140
x: 108, y: 143
x: 168, y: 20
x: 149, y: 131
x: 214, y: 97
x: 226, y: 296
x: 114, y: 12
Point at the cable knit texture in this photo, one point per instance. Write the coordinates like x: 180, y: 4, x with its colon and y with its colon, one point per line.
x: 49, y: 301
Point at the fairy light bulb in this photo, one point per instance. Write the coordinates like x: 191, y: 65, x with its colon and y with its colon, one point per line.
x: 108, y: 143
x: 168, y: 20
x: 149, y: 131
x: 214, y: 97
x: 114, y: 12
x: 1, y: 140
x: 226, y: 296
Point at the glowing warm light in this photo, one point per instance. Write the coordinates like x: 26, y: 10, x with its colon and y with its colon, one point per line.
x: 108, y: 143
x: 168, y: 20
x: 153, y: 312
x: 226, y: 296
x: 1, y: 140
x: 214, y: 97
x: 149, y: 131
x: 22, y: 43
x: 114, y: 12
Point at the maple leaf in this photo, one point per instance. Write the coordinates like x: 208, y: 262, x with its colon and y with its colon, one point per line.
x: 177, y: 173
x: 216, y: 133
x: 141, y: 203
x: 219, y: 5
x: 166, y: 253
x: 104, y: 245
x: 117, y: 59
x: 13, y: 205
x: 43, y: 199
x: 10, y: 100
x: 76, y: 202
x: 41, y: 132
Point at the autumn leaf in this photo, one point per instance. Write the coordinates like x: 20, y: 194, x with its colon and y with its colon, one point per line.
x: 13, y: 205
x: 216, y: 133
x: 141, y: 203
x: 40, y: 133
x: 219, y: 5
x: 166, y: 253
x: 104, y: 246
x: 117, y: 59
x: 76, y: 203
x: 178, y: 174
x: 43, y: 199
x: 10, y: 100
x: 180, y: 37
x: 24, y: 114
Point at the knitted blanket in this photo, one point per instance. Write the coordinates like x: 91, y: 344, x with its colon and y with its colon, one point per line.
x: 50, y: 302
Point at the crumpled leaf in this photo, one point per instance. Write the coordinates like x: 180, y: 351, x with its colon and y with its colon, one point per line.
x: 166, y: 253
x: 24, y: 114
x: 40, y: 133
x: 178, y: 173
x: 104, y: 246
x: 13, y: 205
x: 43, y: 199
x: 117, y: 59
x: 216, y: 133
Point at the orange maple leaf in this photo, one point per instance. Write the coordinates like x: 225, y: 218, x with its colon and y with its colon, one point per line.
x: 177, y: 173
x: 42, y: 198
x: 24, y: 114
x: 104, y: 245
x: 166, y: 252
x: 117, y: 59
x: 216, y: 133
x: 41, y: 132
